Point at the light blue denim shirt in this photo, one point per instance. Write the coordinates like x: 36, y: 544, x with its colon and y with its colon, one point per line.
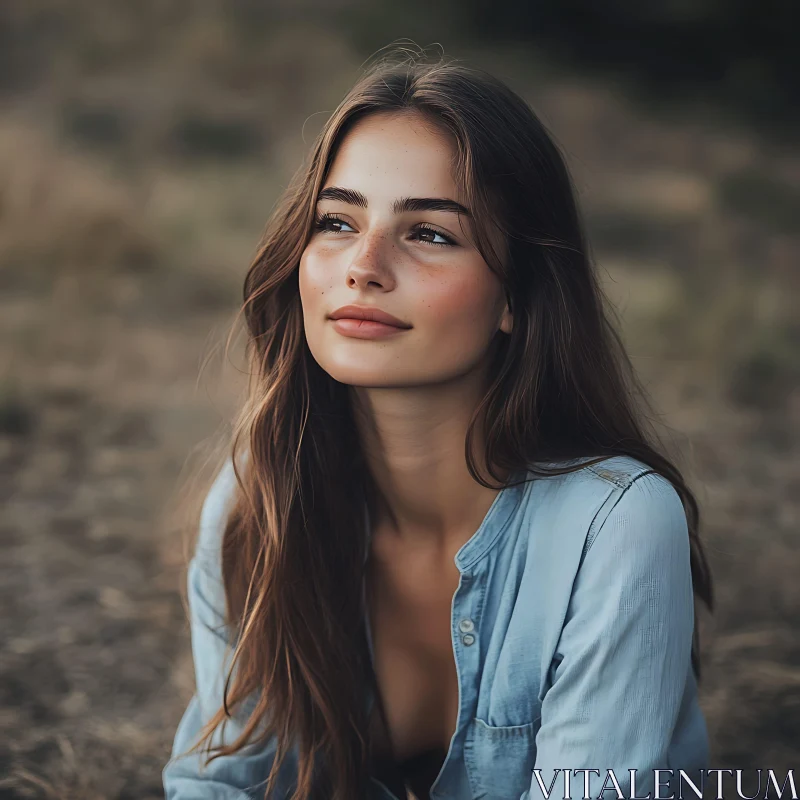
x: 571, y: 630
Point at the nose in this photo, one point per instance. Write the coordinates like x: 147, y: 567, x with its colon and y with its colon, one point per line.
x: 371, y: 262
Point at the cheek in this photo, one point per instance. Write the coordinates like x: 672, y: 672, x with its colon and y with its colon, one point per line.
x: 467, y: 302
x: 314, y: 277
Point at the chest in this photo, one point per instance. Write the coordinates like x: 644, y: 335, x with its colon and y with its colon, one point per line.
x: 410, y: 602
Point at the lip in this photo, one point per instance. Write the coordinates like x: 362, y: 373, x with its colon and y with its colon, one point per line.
x: 368, y: 314
x: 365, y: 328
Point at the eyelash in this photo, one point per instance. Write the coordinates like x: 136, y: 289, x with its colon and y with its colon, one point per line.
x: 323, y: 219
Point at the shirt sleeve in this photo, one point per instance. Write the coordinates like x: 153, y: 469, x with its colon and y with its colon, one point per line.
x: 623, y: 656
x: 241, y: 776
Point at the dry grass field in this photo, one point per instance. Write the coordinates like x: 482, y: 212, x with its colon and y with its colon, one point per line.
x: 131, y: 202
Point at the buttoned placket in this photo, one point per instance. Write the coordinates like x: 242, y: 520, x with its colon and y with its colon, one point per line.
x: 464, y: 636
x: 464, y: 622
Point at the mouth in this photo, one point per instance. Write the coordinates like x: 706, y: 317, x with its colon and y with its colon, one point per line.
x: 366, y: 322
x: 365, y: 328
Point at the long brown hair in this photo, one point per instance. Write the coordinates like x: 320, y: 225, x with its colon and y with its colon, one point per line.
x: 561, y: 387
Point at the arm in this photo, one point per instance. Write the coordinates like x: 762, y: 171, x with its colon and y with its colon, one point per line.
x: 242, y: 775
x: 624, y: 652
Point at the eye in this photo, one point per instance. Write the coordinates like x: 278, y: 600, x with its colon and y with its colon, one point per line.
x: 328, y: 222
x: 426, y: 230
x: 424, y: 233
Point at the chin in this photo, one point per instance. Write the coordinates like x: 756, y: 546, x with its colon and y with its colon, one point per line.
x: 385, y: 378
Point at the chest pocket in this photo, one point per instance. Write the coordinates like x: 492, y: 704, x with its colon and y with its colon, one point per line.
x: 499, y: 759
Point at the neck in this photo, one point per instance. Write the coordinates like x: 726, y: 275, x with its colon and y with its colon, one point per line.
x: 414, y: 443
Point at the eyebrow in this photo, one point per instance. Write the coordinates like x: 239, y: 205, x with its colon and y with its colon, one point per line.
x: 401, y: 206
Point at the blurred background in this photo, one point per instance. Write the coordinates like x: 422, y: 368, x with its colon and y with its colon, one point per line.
x: 142, y: 146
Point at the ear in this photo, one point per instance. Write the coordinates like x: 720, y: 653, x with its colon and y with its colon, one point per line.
x: 506, y: 321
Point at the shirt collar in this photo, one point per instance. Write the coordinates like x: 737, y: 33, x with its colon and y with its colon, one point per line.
x: 495, y: 520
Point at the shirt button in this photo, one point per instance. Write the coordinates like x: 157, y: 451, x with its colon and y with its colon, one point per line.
x: 466, y: 625
x: 468, y: 639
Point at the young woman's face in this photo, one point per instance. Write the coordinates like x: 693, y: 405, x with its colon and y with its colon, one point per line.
x: 377, y: 250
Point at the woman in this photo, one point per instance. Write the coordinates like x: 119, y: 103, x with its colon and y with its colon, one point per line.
x: 371, y: 615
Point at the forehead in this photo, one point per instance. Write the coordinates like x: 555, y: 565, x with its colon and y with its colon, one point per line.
x: 388, y: 155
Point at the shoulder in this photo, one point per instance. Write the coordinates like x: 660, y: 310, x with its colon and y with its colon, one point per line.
x: 636, y: 560
x: 616, y: 476
x: 620, y: 494
x: 643, y: 517
x: 595, y: 534
x: 617, y: 471
x: 647, y: 521
x: 217, y: 506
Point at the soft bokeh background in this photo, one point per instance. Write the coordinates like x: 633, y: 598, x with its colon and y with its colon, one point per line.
x: 142, y: 145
